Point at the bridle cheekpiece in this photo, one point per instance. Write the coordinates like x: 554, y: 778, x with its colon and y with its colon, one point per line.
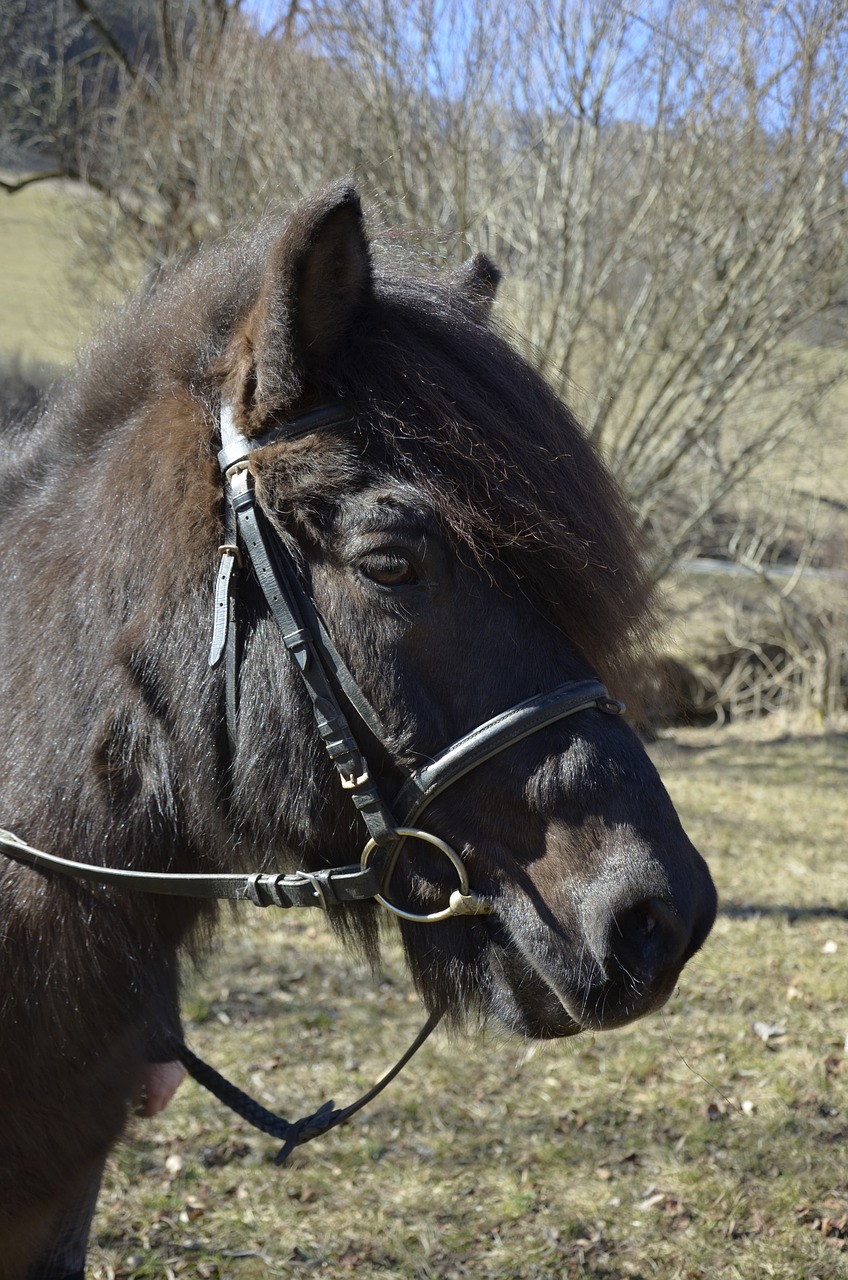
x: 250, y: 539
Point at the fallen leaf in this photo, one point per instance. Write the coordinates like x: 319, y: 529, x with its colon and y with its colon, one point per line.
x: 769, y: 1031
x: 651, y: 1202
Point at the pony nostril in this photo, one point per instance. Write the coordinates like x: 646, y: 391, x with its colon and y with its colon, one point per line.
x: 644, y: 939
x: 639, y: 948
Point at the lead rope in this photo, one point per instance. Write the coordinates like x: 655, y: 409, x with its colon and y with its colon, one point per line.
x: 293, y: 1132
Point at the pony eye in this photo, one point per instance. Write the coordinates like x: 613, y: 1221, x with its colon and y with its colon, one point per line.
x: 389, y: 569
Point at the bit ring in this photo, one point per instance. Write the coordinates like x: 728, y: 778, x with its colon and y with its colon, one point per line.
x: 462, y: 901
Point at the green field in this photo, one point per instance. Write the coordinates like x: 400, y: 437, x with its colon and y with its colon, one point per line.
x: 707, y: 1142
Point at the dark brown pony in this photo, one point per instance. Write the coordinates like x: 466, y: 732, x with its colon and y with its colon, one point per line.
x: 465, y: 549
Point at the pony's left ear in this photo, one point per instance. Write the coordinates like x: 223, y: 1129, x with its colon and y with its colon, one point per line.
x: 476, y: 282
x: 317, y: 279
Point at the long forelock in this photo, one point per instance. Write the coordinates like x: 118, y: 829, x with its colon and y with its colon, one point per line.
x: 509, y: 471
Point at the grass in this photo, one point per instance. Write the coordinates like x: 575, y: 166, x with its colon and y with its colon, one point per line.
x: 694, y: 1144
x: 50, y: 303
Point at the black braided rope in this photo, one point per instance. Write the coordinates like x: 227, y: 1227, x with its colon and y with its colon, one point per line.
x: 294, y: 1133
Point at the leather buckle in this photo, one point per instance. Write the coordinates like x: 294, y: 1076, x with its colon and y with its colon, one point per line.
x: 350, y: 781
x: 230, y: 549
x: 323, y: 889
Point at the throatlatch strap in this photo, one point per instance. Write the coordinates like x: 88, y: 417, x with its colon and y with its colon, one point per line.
x: 294, y: 1133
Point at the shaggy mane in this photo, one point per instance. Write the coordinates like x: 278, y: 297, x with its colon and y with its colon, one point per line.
x: 507, y: 466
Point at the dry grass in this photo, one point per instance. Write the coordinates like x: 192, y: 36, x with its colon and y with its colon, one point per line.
x: 690, y: 1145
x: 50, y: 302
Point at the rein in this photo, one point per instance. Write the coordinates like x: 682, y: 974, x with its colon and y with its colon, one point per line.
x: 248, y: 537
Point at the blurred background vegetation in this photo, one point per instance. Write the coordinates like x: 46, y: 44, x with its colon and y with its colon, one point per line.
x: 664, y: 186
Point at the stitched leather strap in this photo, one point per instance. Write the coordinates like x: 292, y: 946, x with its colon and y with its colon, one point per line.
x: 494, y: 736
x: 237, y: 448
x: 339, y: 742
x: 277, y: 580
x: 324, y: 888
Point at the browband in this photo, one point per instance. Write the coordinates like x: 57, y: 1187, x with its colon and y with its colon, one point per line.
x: 236, y: 447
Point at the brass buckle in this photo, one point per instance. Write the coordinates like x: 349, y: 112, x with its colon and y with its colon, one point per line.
x: 236, y: 469
x: 230, y: 549
x: 350, y: 781
x: 462, y: 901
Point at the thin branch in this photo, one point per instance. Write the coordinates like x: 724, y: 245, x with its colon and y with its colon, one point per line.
x: 110, y: 40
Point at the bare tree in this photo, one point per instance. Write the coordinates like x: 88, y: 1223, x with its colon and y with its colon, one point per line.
x: 182, y: 114
x: 664, y: 183
x: 667, y: 185
x: 223, y: 124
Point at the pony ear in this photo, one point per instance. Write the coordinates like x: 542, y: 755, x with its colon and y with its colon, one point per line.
x: 317, y: 278
x: 476, y: 281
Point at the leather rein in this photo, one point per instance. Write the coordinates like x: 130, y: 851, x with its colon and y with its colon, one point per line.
x: 250, y: 540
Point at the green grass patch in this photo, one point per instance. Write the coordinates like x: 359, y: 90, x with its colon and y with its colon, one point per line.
x: 706, y: 1142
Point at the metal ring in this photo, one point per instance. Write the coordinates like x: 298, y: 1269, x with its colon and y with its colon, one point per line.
x: 478, y: 906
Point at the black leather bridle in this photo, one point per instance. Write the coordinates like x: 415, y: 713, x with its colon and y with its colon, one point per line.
x: 321, y: 667
x: 250, y: 539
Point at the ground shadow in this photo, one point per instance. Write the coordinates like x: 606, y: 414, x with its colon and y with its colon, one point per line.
x: 746, y: 910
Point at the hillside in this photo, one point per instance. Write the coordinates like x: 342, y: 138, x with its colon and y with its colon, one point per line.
x: 44, y: 318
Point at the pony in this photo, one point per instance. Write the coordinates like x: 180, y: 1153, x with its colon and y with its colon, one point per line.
x: 461, y: 549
